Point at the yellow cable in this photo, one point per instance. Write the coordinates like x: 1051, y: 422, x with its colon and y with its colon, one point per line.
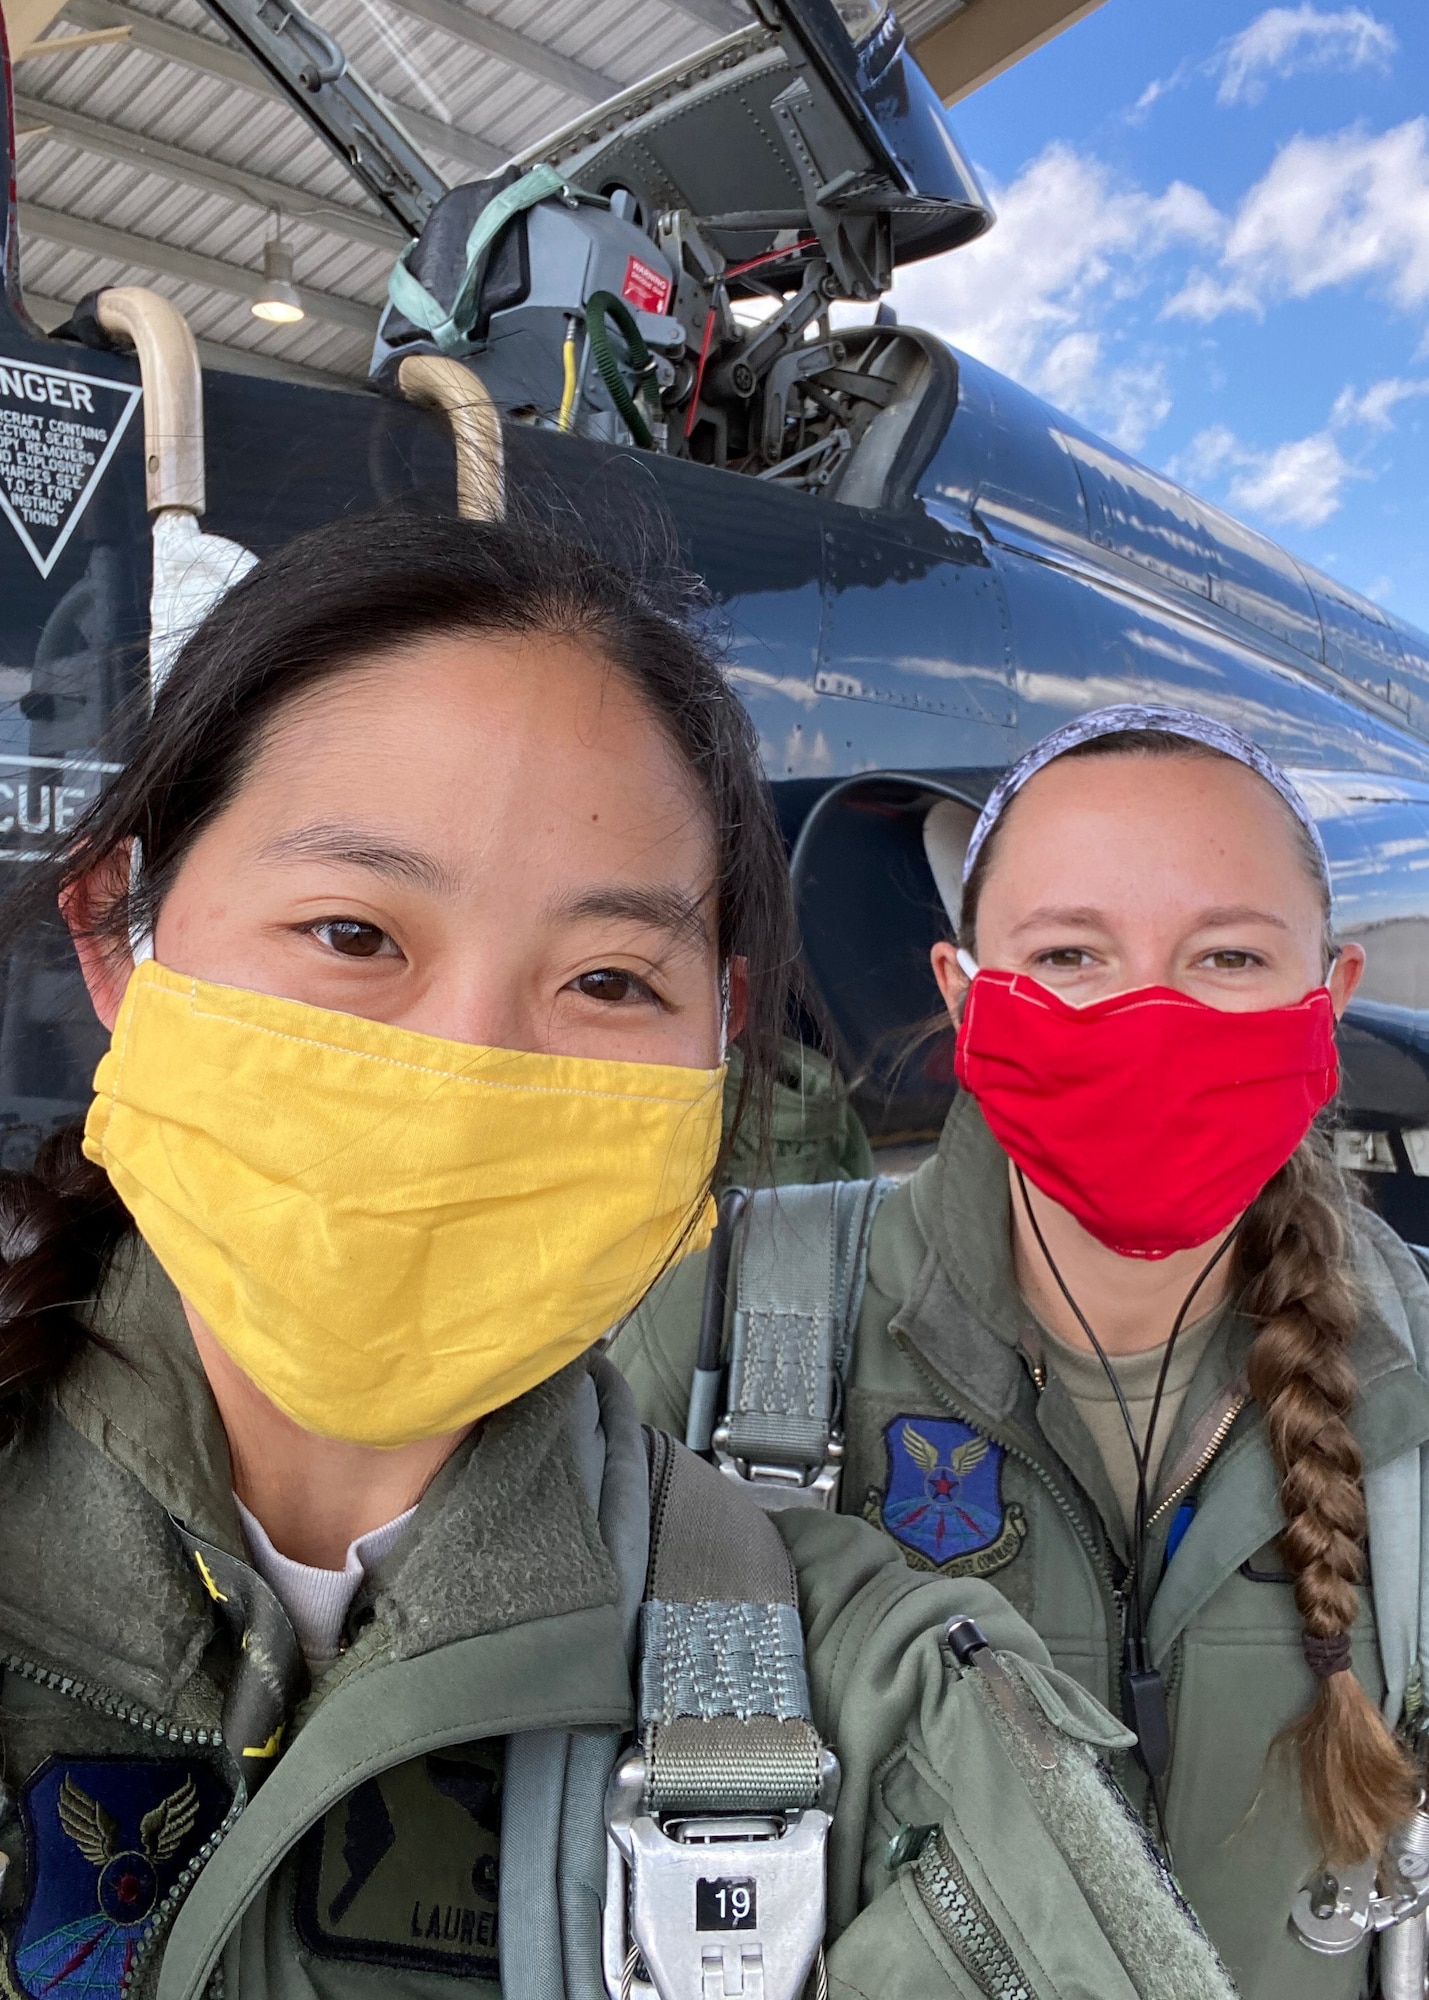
x: 568, y: 391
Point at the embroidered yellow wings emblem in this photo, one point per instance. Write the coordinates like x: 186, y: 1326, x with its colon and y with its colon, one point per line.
x: 93, y: 1830
x: 170, y: 1822
x: 968, y: 1455
x: 86, y: 1822
x: 924, y: 1453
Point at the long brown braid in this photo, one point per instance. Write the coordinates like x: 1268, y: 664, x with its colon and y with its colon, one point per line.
x: 1293, y: 1273
x: 1293, y: 1268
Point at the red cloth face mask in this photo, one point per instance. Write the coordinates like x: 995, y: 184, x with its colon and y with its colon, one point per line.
x: 1155, y: 1119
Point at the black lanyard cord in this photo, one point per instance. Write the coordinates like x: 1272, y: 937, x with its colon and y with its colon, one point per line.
x: 1140, y: 1452
x: 1142, y: 1493
x: 1143, y: 1696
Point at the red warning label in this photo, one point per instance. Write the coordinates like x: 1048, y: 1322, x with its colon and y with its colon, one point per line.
x: 645, y: 288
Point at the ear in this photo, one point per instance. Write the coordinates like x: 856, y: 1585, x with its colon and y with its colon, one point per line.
x: 105, y: 962
x: 952, y: 981
x: 1345, y: 975
x: 738, y: 997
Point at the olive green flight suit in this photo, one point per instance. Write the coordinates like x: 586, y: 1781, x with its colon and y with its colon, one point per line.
x: 954, y: 1427
x: 182, y: 1814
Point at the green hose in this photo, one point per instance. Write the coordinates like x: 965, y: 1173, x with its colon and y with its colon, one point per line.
x: 598, y: 307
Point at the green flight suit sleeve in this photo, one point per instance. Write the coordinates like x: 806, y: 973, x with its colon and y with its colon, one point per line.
x: 977, y: 1846
x: 872, y: 1627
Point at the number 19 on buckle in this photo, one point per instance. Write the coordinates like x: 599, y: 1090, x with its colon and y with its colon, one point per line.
x: 712, y: 1906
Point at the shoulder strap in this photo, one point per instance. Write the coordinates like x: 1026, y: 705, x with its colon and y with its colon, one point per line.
x: 718, y: 1819
x: 798, y: 1261
x: 1397, y: 1494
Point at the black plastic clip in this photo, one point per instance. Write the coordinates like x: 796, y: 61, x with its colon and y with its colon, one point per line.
x: 1143, y: 1704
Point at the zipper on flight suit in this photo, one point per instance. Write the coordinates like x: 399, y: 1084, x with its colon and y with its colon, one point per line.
x: 152, y: 1724
x: 960, y: 1919
x: 1218, y: 1438
x: 1171, y: 1675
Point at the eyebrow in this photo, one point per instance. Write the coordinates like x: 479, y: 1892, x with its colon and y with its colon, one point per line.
x: 662, y: 909
x: 1087, y: 918
x: 354, y: 847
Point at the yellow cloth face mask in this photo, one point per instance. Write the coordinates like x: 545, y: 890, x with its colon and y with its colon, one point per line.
x: 392, y: 1234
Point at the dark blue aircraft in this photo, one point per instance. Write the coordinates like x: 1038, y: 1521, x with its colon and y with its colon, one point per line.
x: 919, y: 567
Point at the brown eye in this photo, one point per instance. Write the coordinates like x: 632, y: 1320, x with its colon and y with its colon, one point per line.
x: 612, y: 986
x: 351, y: 938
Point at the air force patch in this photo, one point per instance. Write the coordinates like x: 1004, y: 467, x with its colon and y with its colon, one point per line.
x: 943, y: 1498
x: 107, y: 1840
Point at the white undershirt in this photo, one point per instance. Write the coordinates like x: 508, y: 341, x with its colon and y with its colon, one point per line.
x: 317, y: 1601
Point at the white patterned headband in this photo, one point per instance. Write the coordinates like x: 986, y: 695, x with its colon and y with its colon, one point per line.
x: 1183, y: 722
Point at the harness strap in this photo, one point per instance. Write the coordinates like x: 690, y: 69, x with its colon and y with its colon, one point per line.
x: 724, y: 1708
x: 717, y: 1822
x: 801, y: 1265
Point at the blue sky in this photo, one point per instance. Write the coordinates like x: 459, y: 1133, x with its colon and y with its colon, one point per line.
x: 1213, y: 247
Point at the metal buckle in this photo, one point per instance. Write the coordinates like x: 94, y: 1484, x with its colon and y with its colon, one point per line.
x: 1334, y: 1913
x: 710, y: 1906
x: 774, y: 1487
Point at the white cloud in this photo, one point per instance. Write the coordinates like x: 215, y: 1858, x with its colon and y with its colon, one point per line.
x: 1298, y: 482
x: 1280, y: 42
x: 1153, y: 93
x: 1286, y: 39
x: 1375, y: 408
x: 1301, y: 481
x: 1036, y: 296
x: 1353, y: 205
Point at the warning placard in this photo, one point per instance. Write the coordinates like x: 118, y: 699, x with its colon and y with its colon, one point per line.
x: 58, y: 432
x: 647, y: 289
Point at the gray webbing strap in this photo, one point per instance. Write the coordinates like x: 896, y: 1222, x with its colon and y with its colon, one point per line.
x: 723, y: 1693
x: 802, y: 1260
x: 717, y: 1823
x: 727, y: 1766
x: 713, y: 1659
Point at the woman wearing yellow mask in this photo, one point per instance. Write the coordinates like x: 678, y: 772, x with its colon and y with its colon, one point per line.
x: 337, y: 1576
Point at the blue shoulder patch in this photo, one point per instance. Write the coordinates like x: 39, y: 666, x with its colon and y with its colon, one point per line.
x: 942, y: 1501
x: 107, y: 1839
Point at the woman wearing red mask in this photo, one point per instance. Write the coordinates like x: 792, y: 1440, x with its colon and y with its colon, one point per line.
x: 1128, y: 1346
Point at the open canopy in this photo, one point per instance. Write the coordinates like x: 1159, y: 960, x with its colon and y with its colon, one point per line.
x: 156, y: 151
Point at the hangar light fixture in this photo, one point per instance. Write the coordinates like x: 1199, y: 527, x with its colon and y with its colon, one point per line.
x: 278, y: 300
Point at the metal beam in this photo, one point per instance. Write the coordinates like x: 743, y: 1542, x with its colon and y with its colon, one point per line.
x: 100, y: 239
x: 479, y: 31
x: 70, y: 45
x: 438, y: 137
x: 718, y: 15
x: 132, y: 149
x: 985, y: 37
x: 233, y: 65
x: 49, y: 313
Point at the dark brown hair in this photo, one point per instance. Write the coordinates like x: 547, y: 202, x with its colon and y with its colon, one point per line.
x: 1293, y: 1277
x: 340, y: 597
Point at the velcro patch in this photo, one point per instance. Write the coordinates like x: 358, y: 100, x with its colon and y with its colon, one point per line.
x: 404, y: 1870
x: 942, y: 1498
x: 110, y: 1843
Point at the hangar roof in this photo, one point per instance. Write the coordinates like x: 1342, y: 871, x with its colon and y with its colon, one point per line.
x: 155, y: 152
